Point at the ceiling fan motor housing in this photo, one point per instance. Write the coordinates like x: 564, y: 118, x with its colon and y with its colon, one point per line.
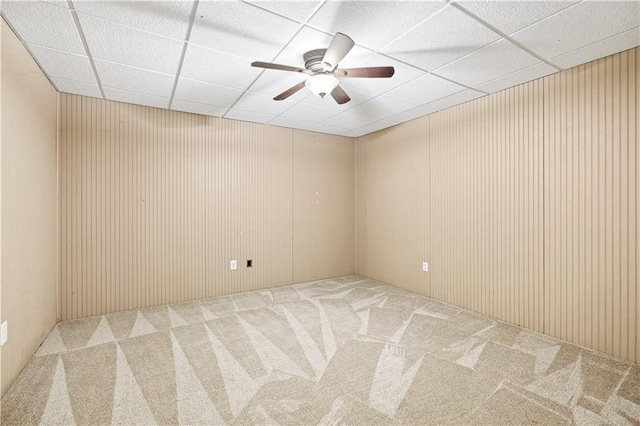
x: 313, y: 60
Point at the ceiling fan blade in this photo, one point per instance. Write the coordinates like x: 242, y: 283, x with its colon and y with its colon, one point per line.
x: 340, y: 95
x: 337, y: 50
x: 270, y: 66
x: 367, y: 72
x: 290, y: 91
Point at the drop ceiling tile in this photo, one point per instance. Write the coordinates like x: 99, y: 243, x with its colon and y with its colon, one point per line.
x: 424, y: 89
x: 578, y: 26
x: 206, y: 93
x: 357, y: 97
x: 412, y: 114
x: 349, y: 121
x: 290, y: 122
x: 122, y: 77
x: 256, y: 117
x: 521, y: 76
x: 44, y: 24
x: 76, y: 87
x: 332, y: 130
x: 374, y: 127
x: 455, y: 99
x: 241, y: 29
x: 257, y: 102
x: 196, y: 108
x: 511, y: 16
x: 124, y: 45
x: 70, y: 66
x: 167, y: 18
x: 385, y: 20
x: 381, y: 107
x: 308, y: 112
x: 271, y: 83
x: 403, y: 73
x: 218, y: 68
x: 600, y: 49
x: 297, y: 10
x: 496, y: 60
x: 309, y: 39
x: 441, y: 39
x: 135, y: 98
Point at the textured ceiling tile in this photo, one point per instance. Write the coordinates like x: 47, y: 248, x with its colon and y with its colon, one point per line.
x: 579, y: 26
x: 257, y: 102
x: 403, y: 73
x: 511, y: 16
x: 297, y: 10
x: 196, y: 108
x: 241, y: 29
x: 455, y: 99
x: 308, y: 112
x: 419, y: 111
x: 385, y: 20
x: 599, y: 49
x: 381, y: 107
x: 272, y: 83
x: 374, y: 127
x: 70, y: 66
x: 443, y: 38
x: 357, y: 97
x: 117, y: 43
x: 132, y: 79
x: 44, y: 24
x: 292, y: 123
x: 206, y: 93
x: 135, y: 98
x: 489, y: 63
x: 521, y: 76
x: 332, y: 130
x: 76, y: 88
x: 349, y: 121
x: 167, y: 18
x: 256, y: 117
x: 424, y: 89
x: 217, y: 68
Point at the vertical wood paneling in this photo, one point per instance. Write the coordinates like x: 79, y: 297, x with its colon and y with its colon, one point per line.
x: 532, y: 196
x: 29, y: 205
x: 154, y: 205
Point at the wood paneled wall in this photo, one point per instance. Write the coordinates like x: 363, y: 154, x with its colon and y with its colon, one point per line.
x: 530, y: 211
x: 29, y: 205
x: 154, y: 204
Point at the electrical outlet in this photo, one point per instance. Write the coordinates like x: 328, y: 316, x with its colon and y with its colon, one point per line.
x: 250, y: 263
x: 425, y: 266
x: 3, y: 333
x: 233, y: 265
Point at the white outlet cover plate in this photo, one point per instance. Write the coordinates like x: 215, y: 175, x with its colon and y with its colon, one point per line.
x: 233, y: 265
x: 425, y: 266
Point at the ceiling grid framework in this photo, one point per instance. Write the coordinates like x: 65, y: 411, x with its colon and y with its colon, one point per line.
x: 195, y: 56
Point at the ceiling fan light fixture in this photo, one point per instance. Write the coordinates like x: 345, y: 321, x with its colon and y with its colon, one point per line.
x: 321, y: 84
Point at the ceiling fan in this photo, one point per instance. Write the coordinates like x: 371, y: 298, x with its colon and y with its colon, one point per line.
x: 321, y: 65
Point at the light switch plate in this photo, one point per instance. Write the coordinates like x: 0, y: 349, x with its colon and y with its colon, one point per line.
x: 425, y: 266
x: 233, y: 265
x: 3, y: 333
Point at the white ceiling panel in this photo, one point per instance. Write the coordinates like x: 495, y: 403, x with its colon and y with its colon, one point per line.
x: 63, y: 64
x: 599, y: 49
x: 290, y: 122
x: 196, y: 108
x: 357, y: 97
x: 296, y: 10
x: 385, y: 20
x: 271, y: 83
x: 217, y: 68
x: 128, y: 46
x: 167, y: 18
x: 256, y: 117
x: 521, y: 76
x: 412, y: 114
x: 44, y: 24
x: 441, y: 39
x: 403, y: 73
x: 241, y: 29
x: 424, y: 89
x: 578, y: 26
x: 206, y: 93
x: 496, y: 60
x: 381, y: 107
x: 257, y: 102
x: 308, y: 112
x: 324, y: 128
x: 455, y: 99
x: 76, y: 87
x: 132, y: 79
x: 373, y: 127
x: 349, y: 121
x: 511, y: 16
x: 135, y: 98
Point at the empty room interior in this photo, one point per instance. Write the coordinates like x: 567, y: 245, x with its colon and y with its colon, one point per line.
x: 320, y: 212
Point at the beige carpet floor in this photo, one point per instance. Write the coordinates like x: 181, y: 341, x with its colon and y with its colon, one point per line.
x: 346, y: 350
